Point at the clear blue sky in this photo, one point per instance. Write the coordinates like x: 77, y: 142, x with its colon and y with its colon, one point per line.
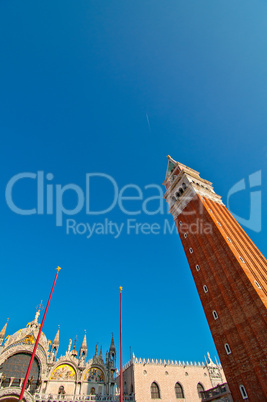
x: 105, y: 86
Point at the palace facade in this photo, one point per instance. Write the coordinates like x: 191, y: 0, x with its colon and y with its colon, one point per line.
x: 172, y: 381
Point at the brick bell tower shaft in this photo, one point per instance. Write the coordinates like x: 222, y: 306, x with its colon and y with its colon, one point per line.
x: 230, y: 274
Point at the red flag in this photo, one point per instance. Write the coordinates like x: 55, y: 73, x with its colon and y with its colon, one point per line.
x: 37, y: 340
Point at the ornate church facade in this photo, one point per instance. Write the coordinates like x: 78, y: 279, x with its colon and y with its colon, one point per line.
x: 73, y: 378
x: 52, y: 377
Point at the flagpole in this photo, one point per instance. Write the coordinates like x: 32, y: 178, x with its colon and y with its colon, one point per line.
x: 121, y: 379
x: 37, y: 339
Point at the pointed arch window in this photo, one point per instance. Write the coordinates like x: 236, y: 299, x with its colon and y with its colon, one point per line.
x: 200, y: 389
x: 155, y: 394
x: 179, y: 392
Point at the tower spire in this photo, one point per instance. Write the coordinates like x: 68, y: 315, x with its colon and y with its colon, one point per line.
x: 56, y: 340
x: 112, y: 353
x: 83, y: 349
x: 101, y: 354
x: 38, y: 308
x: 74, y: 352
x: 84, y: 343
x: 171, y: 165
x: 55, y: 346
x: 35, y: 324
x: 2, y: 333
x: 96, y: 349
x: 112, y: 345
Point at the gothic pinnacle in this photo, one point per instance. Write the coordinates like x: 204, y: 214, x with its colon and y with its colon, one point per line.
x: 84, y: 343
x: 56, y: 340
x: 2, y: 333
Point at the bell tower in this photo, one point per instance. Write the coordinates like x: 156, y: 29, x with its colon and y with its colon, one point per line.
x: 230, y: 274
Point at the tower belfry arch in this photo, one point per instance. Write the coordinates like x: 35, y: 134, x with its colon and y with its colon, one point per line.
x: 230, y: 274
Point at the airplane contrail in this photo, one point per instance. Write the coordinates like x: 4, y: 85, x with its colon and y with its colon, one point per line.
x: 148, y: 122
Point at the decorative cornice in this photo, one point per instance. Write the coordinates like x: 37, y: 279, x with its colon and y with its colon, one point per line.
x: 166, y: 363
